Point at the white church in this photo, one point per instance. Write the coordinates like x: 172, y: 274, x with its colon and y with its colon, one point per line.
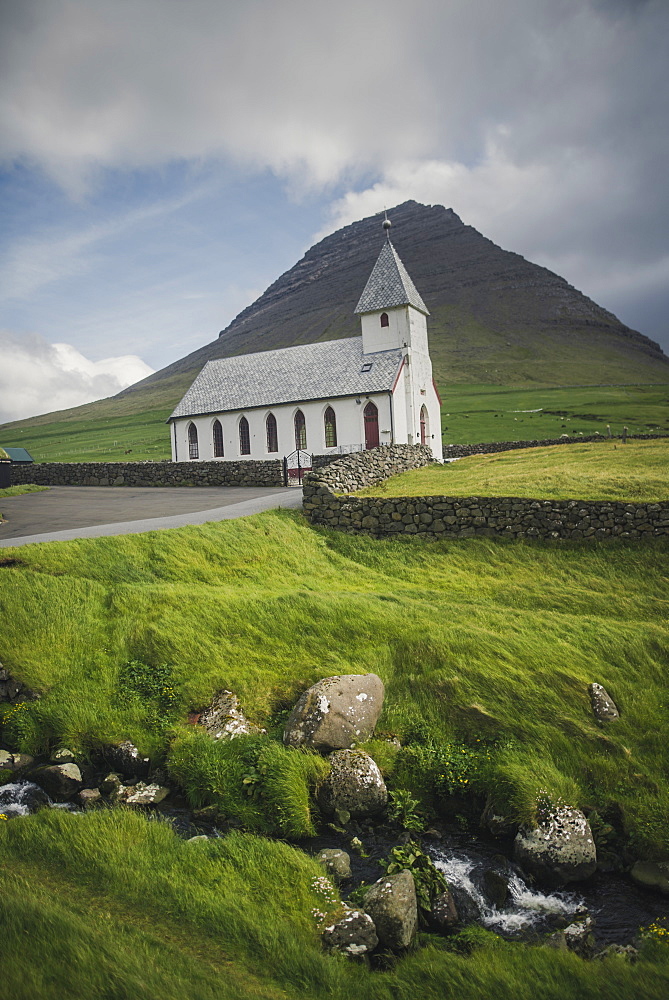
x: 327, y: 398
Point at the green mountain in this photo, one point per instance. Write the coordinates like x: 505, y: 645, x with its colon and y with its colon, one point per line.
x: 496, y: 320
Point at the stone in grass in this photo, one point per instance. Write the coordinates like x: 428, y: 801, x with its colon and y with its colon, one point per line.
x: 391, y: 903
x: 560, y: 849
x: 142, y: 794
x: 354, y: 784
x: 14, y: 761
x: 335, y: 862
x: 603, y: 706
x: 89, y: 798
x: 354, y: 935
x: 443, y: 912
x: 336, y: 713
x: 652, y: 875
x: 110, y: 785
x: 126, y: 758
x: 223, y: 718
x: 62, y: 756
x: 579, y: 937
x: 60, y: 781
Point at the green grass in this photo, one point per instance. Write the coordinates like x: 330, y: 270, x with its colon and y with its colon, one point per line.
x: 474, y: 638
x: 602, y: 470
x: 15, y: 491
x: 472, y: 414
x: 111, y: 905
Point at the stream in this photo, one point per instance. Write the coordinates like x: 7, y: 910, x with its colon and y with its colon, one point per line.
x: 617, y: 906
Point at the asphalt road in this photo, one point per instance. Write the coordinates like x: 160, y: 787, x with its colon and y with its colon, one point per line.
x: 65, y: 512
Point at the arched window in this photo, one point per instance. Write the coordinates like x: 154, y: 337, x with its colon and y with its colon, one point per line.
x: 192, y: 442
x: 300, y: 431
x: 272, y: 437
x: 330, y: 428
x: 384, y: 319
x: 244, y: 437
x: 371, y: 426
x: 217, y: 434
x: 424, y: 425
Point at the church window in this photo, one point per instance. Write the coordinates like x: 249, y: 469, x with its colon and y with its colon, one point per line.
x: 272, y: 437
x: 217, y: 434
x: 424, y: 425
x: 300, y: 431
x: 244, y: 437
x: 330, y: 428
x: 384, y: 319
x: 193, y: 451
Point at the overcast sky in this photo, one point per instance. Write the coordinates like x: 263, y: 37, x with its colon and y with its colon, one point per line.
x: 163, y: 161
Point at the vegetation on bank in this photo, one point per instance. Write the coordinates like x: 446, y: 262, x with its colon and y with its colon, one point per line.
x: 112, y: 904
x: 602, y: 470
x: 15, y: 491
x: 478, y: 641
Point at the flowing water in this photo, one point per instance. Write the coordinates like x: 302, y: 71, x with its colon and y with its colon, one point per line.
x: 20, y: 798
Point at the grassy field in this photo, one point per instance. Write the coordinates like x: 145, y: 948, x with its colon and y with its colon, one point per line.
x: 16, y: 491
x: 112, y: 905
x: 598, y: 470
x: 473, y: 639
x: 108, y: 429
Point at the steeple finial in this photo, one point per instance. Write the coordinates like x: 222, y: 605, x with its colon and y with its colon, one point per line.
x: 386, y: 224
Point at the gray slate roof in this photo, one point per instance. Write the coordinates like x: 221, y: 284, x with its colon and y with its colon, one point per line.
x: 289, y: 375
x: 389, y: 285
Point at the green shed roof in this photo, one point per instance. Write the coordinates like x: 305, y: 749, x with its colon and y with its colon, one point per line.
x: 18, y: 454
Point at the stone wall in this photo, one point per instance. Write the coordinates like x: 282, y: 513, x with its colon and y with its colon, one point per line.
x: 150, y: 473
x: 463, y: 450
x: 439, y: 517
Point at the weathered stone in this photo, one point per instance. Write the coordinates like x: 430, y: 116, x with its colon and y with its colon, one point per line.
x: 142, y: 794
x: 223, y: 718
x: 603, y: 706
x: 336, y: 713
x: 652, y: 875
x: 353, y: 935
x: 444, y: 912
x: 496, y: 888
x: 126, y: 758
x: 391, y: 903
x: 335, y: 862
x: 110, y: 785
x: 88, y: 798
x: 60, y: 781
x: 199, y: 837
x: 579, y: 937
x: 560, y: 849
x: 354, y: 784
x: 62, y: 756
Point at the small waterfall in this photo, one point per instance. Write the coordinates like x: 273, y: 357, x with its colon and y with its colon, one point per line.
x: 21, y: 798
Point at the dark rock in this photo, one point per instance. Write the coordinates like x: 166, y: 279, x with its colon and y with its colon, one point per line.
x: 336, y: 713
x: 15, y: 762
x: 88, y: 798
x: 603, y: 706
x: 443, y: 912
x: 579, y: 937
x: 335, y: 862
x: 496, y: 888
x: 560, y: 849
x: 60, y: 781
x: 391, y: 903
x: 111, y: 785
x: 354, y: 784
x: 353, y: 935
x: 126, y: 758
x: 652, y: 875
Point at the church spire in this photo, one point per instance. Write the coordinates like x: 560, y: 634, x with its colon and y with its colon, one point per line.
x: 389, y: 284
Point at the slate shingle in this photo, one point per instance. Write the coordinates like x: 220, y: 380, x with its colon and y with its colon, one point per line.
x: 292, y: 374
x: 389, y: 285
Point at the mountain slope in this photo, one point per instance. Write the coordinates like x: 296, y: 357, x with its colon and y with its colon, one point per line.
x: 496, y: 318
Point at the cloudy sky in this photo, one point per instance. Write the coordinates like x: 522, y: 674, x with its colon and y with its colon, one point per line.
x: 163, y: 161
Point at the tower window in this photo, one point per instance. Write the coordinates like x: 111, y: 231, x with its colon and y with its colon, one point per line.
x: 244, y: 437
x: 384, y: 319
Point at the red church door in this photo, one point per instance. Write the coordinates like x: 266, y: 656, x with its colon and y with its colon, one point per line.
x: 371, y: 426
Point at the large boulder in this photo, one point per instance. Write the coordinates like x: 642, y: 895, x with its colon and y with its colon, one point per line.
x: 560, y: 849
x: 354, y: 785
x: 392, y: 905
x: 652, y: 875
x: 354, y: 935
x: 142, y: 794
x: 604, y: 707
x: 60, y: 781
x: 223, y: 718
x: 337, y: 713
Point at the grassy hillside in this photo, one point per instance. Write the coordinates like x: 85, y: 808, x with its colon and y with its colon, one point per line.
x: 599, y: 470
x: 473, y: 638
x: 106, y: 430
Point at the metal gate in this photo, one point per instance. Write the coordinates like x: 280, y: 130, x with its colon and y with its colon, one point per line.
x: 295, y: 466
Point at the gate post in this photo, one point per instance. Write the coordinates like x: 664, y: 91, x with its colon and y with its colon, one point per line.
x: 285, y: 471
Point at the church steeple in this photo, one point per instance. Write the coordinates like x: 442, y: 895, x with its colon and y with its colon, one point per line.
x: 389, y: 285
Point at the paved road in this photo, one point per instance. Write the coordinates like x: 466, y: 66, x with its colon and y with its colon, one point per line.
x: 65, y: 512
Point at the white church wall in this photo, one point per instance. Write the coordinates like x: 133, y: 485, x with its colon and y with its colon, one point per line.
x: 384, y: 338
x: 349, y: 416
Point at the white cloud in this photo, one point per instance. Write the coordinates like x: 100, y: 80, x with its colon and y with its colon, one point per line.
x: 38, y: 377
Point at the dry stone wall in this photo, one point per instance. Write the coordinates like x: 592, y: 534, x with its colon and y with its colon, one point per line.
x: 463, y: 450
x: 150, y: 474
x: 441, y: 516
